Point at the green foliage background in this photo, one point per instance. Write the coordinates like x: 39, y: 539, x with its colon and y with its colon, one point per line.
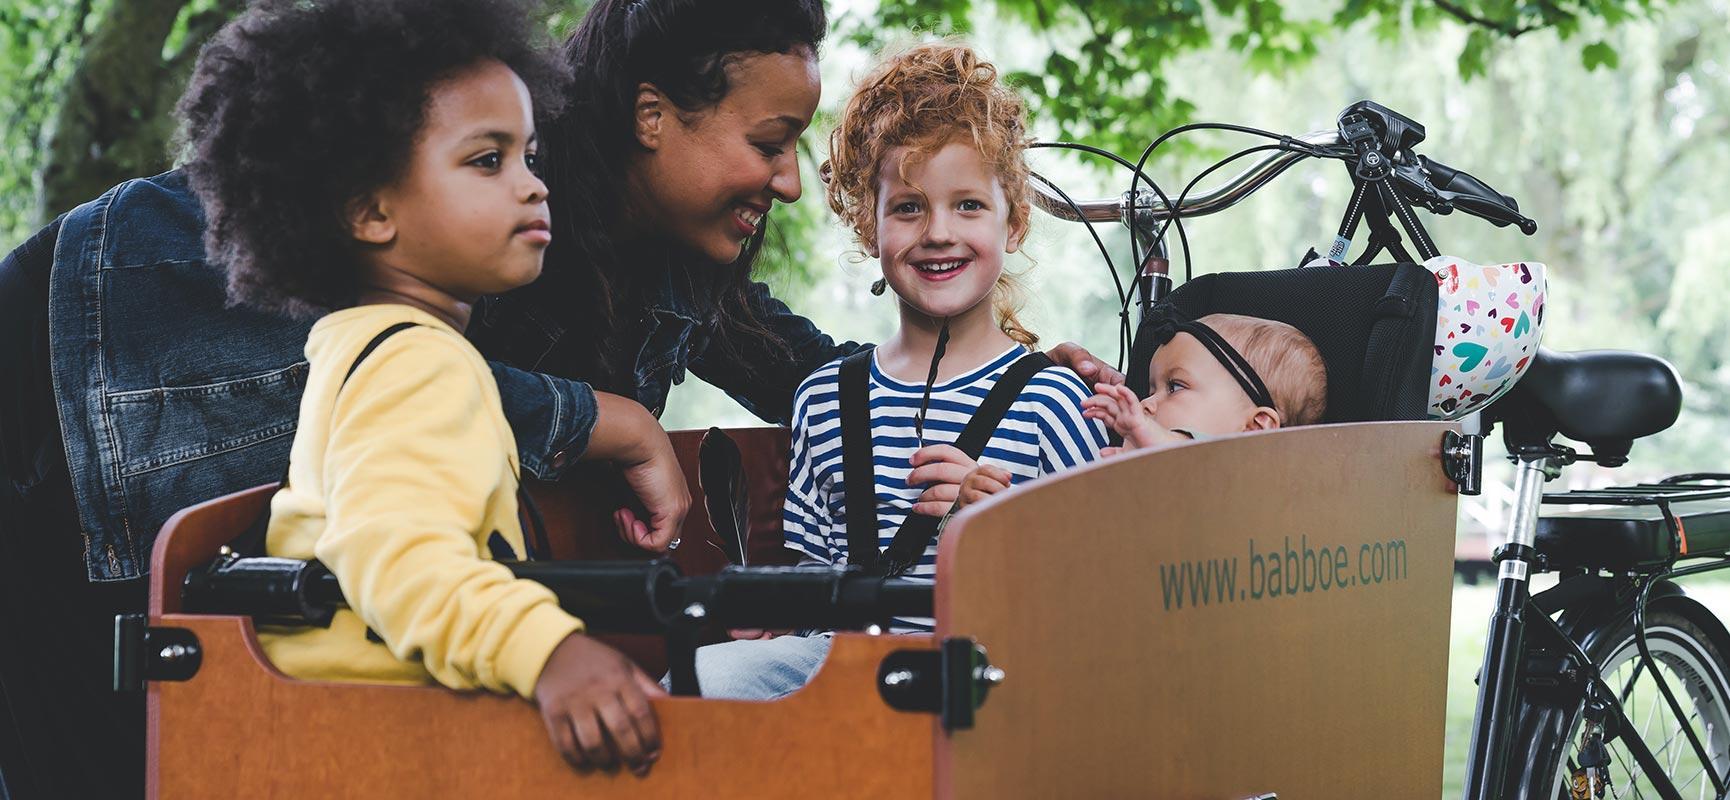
x: 1608, y: 119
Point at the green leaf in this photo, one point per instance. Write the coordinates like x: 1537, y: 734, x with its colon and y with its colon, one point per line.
x: 1599, y: 54
x: 1474, y: 57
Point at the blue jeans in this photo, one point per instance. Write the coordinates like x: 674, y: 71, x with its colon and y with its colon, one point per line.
x: 759, y: 669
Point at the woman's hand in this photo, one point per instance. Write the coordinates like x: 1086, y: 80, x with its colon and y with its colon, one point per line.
x: 940, y: 468
x: 595, y: 704
x: 1091, y: 370
x: 631, y: 437
x: 981, y: 483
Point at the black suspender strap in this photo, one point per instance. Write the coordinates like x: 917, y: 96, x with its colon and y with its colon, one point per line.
x: 371, y: 346
x: 858, y: 474
x: 917, y: 532
x: 251, y: 542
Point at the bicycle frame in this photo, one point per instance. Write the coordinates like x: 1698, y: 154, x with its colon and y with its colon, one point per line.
x: 1507, y: 644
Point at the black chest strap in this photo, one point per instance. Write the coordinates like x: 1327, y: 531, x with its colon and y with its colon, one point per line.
x: 858, y: 472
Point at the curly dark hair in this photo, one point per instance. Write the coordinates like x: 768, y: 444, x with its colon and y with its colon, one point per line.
x: 299, y: 108
x: 683, y: 47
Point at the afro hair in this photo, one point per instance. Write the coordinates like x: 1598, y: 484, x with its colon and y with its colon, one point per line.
x: 297, y: 109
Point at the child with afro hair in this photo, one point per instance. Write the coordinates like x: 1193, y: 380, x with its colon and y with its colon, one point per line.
x: 375, y: 161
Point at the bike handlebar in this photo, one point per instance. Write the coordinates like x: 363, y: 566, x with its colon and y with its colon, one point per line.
x: 1244, y: 184
x: 1419, y: 180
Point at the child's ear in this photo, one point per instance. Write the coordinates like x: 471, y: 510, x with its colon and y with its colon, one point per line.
x: 1017, y: 233
x: 370, y: 222
x: 1264, y: 419
x: 650, y: 112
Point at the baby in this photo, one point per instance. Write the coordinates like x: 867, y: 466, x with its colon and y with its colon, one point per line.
x: 1218, y: 375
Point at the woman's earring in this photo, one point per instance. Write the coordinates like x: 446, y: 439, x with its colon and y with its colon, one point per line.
x: 879, y: 286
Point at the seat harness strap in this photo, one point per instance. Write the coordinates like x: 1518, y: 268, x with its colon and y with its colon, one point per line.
x: 859, y: 486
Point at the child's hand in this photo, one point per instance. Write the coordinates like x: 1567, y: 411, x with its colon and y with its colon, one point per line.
x: 755, y: 633
x: 595, y: 704
x: 940, y: 467
x: 1123, y: 412
x: 981, y: 483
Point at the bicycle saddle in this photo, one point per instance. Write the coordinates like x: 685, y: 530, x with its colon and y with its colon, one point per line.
x: 1604, y: 398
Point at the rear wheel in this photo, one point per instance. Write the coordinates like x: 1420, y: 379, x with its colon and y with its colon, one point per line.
x: 1691, y: 660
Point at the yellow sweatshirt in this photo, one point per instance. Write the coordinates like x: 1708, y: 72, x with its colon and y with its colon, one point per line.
x: 397, y: 484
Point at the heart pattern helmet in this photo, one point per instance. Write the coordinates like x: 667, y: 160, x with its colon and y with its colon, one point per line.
x: 1489, y: 320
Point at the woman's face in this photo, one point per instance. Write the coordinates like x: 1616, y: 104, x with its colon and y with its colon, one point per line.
x: 707, y: 178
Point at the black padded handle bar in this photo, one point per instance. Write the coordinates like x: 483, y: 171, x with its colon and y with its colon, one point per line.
x: 610, y: 596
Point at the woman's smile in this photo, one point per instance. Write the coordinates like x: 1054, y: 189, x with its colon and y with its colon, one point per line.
x: 747, y: 218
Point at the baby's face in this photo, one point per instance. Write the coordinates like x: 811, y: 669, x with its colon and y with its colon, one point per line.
x: 1192, y: 391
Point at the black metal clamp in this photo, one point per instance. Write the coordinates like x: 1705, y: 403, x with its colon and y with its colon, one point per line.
x: 144, y: 653
x: 1463, y: 461
x: 952, y: 681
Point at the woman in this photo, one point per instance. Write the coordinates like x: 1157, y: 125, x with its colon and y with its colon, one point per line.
x: 154, y: 395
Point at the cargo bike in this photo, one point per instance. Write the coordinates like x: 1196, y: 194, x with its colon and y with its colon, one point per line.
x: 1251, y: 617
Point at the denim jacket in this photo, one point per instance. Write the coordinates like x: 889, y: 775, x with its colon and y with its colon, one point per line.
x: 167, y: 396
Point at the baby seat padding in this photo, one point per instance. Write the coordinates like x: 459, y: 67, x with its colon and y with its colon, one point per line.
x: 1375, y: 327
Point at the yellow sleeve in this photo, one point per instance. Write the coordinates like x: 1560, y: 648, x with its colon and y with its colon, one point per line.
x: 414, y: 463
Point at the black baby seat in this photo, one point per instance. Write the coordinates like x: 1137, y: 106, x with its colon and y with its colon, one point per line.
x: 1375, y: 327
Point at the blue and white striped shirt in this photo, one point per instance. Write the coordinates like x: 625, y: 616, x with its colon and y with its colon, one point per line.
x: 1042, y: 433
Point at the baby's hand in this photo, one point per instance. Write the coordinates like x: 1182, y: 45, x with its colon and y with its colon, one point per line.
x: 982, y: 482
x: 1123, y: 412
x: 940, y: 468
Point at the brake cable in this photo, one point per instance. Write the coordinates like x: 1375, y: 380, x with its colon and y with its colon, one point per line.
x: 1123, y: 317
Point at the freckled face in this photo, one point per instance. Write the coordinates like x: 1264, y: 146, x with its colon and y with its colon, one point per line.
x: 1191, y: 390
x: 942, y: 229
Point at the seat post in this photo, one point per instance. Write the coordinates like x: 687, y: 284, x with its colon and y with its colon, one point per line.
x: 1493, y: 723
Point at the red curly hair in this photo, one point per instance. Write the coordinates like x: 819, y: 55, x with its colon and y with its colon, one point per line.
x: 923, y: 99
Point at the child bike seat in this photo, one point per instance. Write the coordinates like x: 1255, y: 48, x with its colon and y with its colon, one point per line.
x: 1373, y: 326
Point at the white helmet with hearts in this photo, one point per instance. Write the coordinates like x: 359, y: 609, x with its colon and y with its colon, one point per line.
x: 1489, y: 320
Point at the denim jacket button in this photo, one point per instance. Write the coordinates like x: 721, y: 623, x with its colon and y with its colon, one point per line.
x: 561, y: 458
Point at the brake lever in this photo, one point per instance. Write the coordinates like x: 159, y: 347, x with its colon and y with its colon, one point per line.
x: 1412, y: 182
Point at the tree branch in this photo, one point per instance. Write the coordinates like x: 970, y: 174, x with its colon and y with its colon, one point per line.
x: 1507, y: 29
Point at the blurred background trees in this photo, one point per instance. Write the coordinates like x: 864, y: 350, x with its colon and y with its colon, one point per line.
x: 1607, y: 119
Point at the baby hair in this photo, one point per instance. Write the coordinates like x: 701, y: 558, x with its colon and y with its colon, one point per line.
x: 922, y: 99
x: 1287, y: 361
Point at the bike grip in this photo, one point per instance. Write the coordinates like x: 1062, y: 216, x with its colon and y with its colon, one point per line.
x: 1475, y: 196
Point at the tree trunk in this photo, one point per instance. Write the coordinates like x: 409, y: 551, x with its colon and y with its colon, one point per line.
x: 116, y: 117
